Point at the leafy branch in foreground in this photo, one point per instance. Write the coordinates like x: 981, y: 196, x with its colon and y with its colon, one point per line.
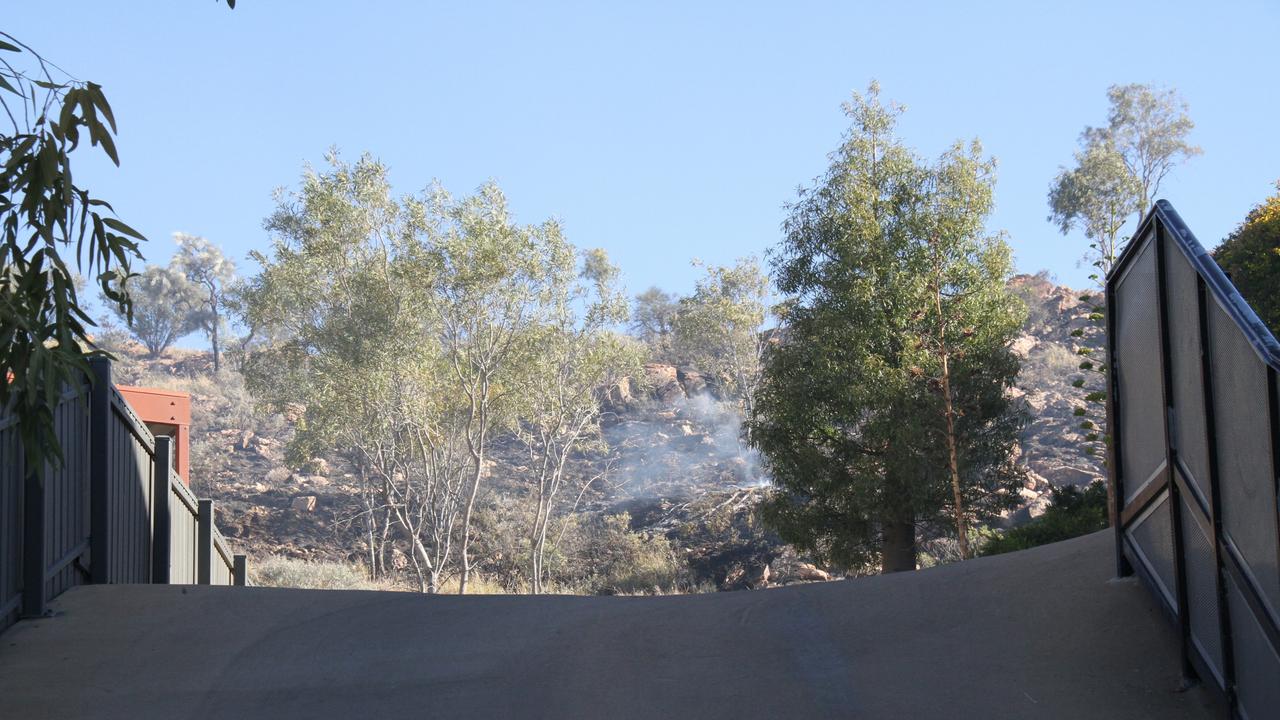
x: 46, y: 221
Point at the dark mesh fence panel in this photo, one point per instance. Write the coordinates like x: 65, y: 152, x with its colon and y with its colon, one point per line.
x: 1245, y: 479
x: 1183, y: 316
x: 1221, y: 431
x: 1152, y: 532
x: 1202, y: 600
x: 1257, y: 666
x: 1138, y: 358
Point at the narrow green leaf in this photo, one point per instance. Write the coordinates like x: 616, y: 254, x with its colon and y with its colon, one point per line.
x: 109, y: 146
x: 100, y: 101
x: 122, y: 228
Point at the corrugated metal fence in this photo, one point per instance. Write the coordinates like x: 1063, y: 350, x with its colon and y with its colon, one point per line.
x: 115, y: 512
x: 1195, y: 463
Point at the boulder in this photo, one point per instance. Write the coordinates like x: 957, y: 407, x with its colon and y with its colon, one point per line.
x: 1023, y: 344
x: 664, y: 382
x: 621, y: 394
x: 811, y: 572
x: 692, y: 381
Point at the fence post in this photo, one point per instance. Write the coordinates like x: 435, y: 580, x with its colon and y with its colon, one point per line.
x: 162, y: 523
x: 99, y: 471
x: 33, y: 561
x: 1115, y: 478
x: 241, y: 570
x: 204, y: 546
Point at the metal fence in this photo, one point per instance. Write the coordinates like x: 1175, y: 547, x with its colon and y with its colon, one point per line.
x: 1195, y: 457
x: 115, y: 512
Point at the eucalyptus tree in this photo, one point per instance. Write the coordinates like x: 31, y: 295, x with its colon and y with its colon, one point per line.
x: 1118, y: 172
x: 400, y: 326
x: 209, y: 268
x: 969, y: 319
x: 1148, y: 127
x: 349, y: 303
x: 1120, y: 167
x: 719, y: 328
x: 566, y: 361
x: 883, y: 407
x: 653, y: 321
x: 48, y: 223
x: 496, y: 282
x: 1097, y: 196
x: 165, y: 307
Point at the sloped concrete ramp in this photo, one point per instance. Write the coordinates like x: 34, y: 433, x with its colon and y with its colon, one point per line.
x: 1044, y: 633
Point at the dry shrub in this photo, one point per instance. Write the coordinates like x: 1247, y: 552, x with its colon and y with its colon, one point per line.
x: 278, y: 571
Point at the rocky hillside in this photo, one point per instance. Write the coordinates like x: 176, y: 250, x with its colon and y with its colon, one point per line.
x: 676, y: 464
x: 1053, y: 445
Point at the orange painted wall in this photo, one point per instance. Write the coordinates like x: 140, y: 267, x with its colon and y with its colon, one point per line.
x: 165, y: 412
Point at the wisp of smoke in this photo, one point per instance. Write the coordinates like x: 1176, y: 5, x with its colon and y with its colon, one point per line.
x: 683, y: 448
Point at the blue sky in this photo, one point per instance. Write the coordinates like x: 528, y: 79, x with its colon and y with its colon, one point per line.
x: 660, y: 132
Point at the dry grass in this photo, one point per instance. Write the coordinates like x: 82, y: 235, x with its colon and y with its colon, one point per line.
x: 277, y: 571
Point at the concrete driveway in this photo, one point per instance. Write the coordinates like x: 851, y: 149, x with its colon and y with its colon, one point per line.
x: 1044, y: 633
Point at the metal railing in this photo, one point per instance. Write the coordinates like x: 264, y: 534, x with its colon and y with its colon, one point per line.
x: 1194, y: 461
x: 115, y: 512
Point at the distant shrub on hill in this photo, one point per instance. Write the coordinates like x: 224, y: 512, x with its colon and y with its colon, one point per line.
x: 1073, y: 512
x: 616, y: 560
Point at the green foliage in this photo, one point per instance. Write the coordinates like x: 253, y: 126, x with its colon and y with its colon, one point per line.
x: 412, y: 330
x: 718, y: 328
x: 1119, y: 168
x: 893, y: 285
x: 48, y: 222
x: 1072, y: 512
x: 625, y: 562
x: 165, y: 306
x: 1148, y: 127
x: 1118, y: 171
x: 564, y: 361
x: 653, y: 317
x: 1097, y: 196
x: 205, y: 265
x: 1250, y: 255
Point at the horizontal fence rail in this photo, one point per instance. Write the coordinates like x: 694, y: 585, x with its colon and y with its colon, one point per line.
x: 1195, y: 457
x: 115, y: 511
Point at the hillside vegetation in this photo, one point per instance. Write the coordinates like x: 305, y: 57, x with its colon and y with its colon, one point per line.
x: 672, y: 507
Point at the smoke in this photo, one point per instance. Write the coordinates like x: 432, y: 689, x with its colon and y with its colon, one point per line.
x: 683, y: 448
